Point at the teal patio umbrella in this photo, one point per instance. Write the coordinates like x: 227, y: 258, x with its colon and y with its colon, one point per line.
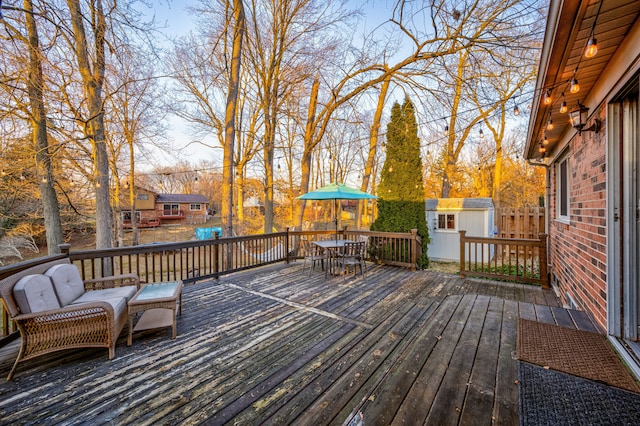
x: 336, y: 191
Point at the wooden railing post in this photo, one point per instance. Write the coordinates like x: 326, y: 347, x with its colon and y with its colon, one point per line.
x: 286, y: 244
x: 414, y: 249
x: 65, y: 249
x: 462, y: 254
x: 216, y: 261
x: 544, y: 274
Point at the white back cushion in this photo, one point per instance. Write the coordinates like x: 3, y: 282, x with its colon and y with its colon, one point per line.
x: 34, y: 293
x: 67, y: 282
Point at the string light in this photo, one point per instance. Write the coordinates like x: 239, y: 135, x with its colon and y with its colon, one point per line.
x: 575, y: 87
x: 516, y: 110
x: 592, y: 45
x: 592, y: 48
x: 550, y: 123
x: 547, y: 97
x: 563, y: 106
x: 481, y: 134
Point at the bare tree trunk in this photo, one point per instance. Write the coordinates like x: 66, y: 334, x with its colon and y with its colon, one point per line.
x: 50, y: 207
x: 373, y: 145
x: 92, y: 73
x: 269, y: 149
x: 239, y: 184
x: 230, y: 117
x: 308, y: 139
x: 135, y: 238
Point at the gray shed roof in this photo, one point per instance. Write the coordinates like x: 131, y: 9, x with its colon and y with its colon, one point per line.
x: 459, y: 203
x: 181, y: 198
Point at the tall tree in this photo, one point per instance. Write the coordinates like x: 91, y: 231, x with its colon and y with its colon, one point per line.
x: 91, y: 65
x: 401, y: 205
x: 230, y: 117
x: 37, y: 118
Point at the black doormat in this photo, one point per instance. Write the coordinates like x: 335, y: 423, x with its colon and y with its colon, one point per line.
x: 580, y: 353
x: 548, y: 397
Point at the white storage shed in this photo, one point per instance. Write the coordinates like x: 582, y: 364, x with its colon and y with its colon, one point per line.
x: 447, y: 216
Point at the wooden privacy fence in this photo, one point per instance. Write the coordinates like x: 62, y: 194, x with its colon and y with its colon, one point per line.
x: 513, y: 259
x: 205, y: 259
x: 526, y: 222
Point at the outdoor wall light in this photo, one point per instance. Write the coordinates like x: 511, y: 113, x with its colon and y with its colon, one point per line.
x: 579, y: 116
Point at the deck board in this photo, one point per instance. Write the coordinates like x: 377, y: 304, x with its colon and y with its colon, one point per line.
x: 279, y: 346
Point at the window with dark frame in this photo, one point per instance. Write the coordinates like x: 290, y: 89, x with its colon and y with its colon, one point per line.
x: 563, y: 189
x: 447, y: 221
x: 171, y: 209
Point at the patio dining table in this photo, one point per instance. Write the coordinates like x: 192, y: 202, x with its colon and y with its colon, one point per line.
x: 333, y: 247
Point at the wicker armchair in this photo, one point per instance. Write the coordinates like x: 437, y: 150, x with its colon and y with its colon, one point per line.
x: 80, y: 324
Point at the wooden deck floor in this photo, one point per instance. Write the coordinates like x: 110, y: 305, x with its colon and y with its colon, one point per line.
x: 273, y: 346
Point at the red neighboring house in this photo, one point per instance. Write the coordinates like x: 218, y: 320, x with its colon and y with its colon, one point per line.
x: 153, y: 209
x: 592, y: 161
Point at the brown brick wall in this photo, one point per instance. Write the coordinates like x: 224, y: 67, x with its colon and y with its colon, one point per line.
x: 577, y: 251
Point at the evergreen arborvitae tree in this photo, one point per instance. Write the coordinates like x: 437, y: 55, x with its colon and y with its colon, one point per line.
x: 401, y: 202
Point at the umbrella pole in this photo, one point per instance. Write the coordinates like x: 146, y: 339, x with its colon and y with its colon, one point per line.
x: 335, y: 213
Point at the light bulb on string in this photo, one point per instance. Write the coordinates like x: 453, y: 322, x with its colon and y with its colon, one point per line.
x: 481, y: 134
x: 547, y: 97
x: 575, y: 87
x: 563, y: 106
x: 592, y: 47
x: 516, y: 110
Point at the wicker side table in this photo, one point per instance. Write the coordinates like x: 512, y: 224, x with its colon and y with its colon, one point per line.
x: 158, y: 302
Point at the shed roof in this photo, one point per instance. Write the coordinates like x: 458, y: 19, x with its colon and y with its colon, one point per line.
x: 181, y: 198
x: 459, y: 203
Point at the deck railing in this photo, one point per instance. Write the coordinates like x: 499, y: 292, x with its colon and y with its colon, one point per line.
x: 203, y: 259
x: 512, y: 259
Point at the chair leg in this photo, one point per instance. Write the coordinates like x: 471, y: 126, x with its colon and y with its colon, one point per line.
x: 13, y: 369
x: 23, y: 348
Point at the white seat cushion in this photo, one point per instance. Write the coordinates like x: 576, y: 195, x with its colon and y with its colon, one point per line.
x: 34, y: 293
x: 67, y: 282
x: 125, y: 292
x: 119, y: 303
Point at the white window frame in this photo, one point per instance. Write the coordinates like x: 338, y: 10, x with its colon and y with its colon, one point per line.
x: 195, y: 207
x: 446, y: 216
x: 563, y: 189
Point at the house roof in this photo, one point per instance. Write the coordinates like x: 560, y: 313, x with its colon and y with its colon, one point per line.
x: 569, y: 26
x: 181, y: 198
x: 459, y: 203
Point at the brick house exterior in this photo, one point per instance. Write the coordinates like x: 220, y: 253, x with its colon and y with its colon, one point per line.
x: 593, y: 177
x: 153, y: 209
x: 577, y: 249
